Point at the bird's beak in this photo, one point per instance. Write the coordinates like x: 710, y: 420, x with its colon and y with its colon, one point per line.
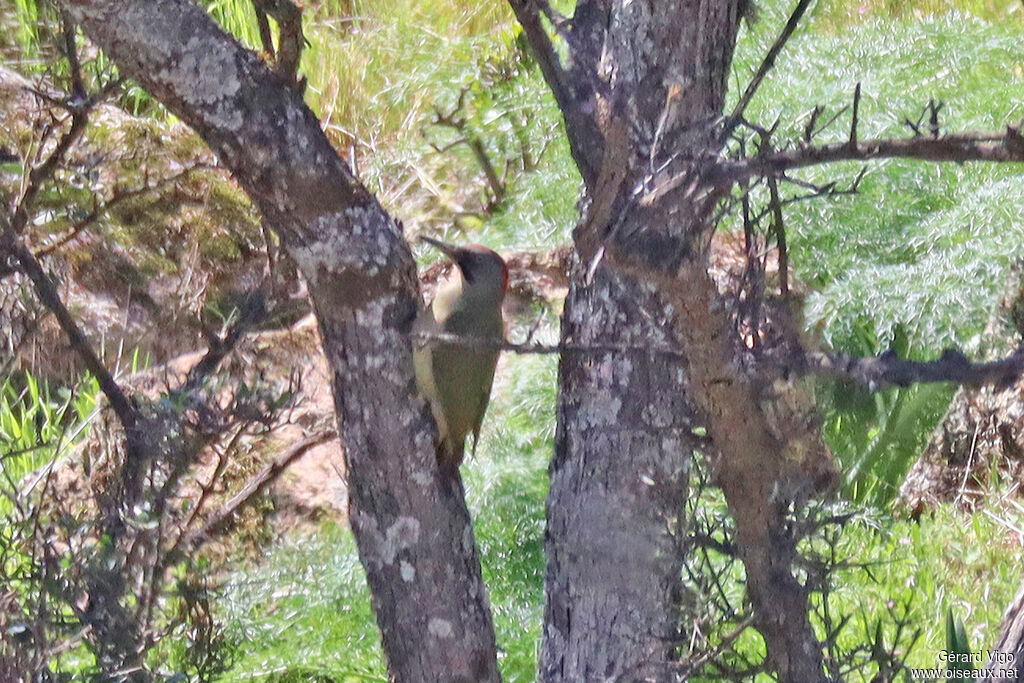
x: 450, y: 250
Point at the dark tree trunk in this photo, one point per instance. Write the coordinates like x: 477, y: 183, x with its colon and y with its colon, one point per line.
x: 618, y: 491
x: 410, y: 522
x: 643, y: 97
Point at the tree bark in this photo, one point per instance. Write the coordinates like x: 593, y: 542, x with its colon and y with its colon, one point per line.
x: 1008, y: 652
x: 656, y: 75
x: 410, y: 521
x: 618, y: 491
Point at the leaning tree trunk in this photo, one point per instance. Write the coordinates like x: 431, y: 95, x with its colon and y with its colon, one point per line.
x: 410, y: 522
x: 642, y: 96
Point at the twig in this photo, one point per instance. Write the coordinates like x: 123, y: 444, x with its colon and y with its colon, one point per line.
x: 854, y: 118
x: 44, y: 171
x: 779, y: 229
x: 557, y: 19
x: 809, y: 131
x: 254, y: 487
x: 766, y: 65
x: 475, y: 144
x: 933, y: 116
x: 816, y: 192
x: 266, y: 36
x: 544, y: 51
x: 724, y: 643
x: 119, y: 197
x: 251, y: 313
x: 71, y: 53
x: 290, y: 38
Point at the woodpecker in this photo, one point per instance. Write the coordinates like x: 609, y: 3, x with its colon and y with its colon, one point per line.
x: 456, y: 378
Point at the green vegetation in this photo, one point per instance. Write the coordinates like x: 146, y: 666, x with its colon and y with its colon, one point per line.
x: 915, y: 260
x: 38, y: 424
x: 912, y: 262
x: 303, y: 611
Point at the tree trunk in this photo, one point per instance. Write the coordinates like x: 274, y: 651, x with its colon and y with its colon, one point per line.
x: 651, y: 78
x: 618, y: 491
x: 410, y: 521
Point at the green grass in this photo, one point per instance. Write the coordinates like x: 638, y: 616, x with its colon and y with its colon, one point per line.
x: 38, y: 424
x: 971, y: 564
x: 303, y: 610
x: 922, y: 245
x: 914, y: 261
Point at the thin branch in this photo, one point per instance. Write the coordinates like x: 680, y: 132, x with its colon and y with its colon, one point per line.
x: 527, y: 15
x: 291, y: 39
x: 812, y: 120
x: 854, y: 120
x: 45, y: 289
x: 252, y: 311
x: 828, y: 190
x: 118, y: 198
x: 725, y: 642
x: 44, y: 171
x: 779, y: 229
x: 888, y: 370
x: 933, y: 116
x: 558, y: 20
x: 266, y: 36
x: 947, y: 148
x: 71, y: 53
x: 766, y: 65
x: 574, y: 88
x: 254, y: 487
x: 471, y: 140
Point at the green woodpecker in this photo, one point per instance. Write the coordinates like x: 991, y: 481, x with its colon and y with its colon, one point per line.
x: 456, y: 378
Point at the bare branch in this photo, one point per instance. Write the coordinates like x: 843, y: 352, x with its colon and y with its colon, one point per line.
x: 766, y: 65
x: 856, y: 114
x: 71, y: 53
x: 779, y: 229
x: 254, y: 487
x: 44, y: 171
x: 266, y: 36
x: 475, y: 144
x: 947, y: 148
x: 120, y: 196
x: 45, y: 289
x: 572, y: 90
x: 558, y: 21
x: 252, y: 312
x: 888, y: 370
x: 528, y: 16
x: 290, y: 38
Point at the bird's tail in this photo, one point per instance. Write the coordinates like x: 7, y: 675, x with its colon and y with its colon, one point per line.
x: 450, y: 453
